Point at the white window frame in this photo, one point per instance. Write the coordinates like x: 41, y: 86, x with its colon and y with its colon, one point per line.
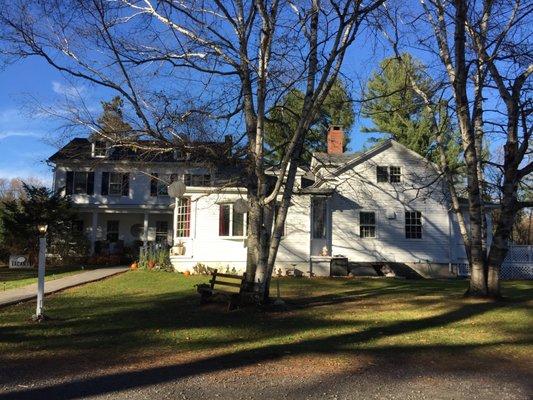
x: 79, y: 173
x: 183, y: 226
x: 94, y: 148
x: 114, y: 184
x: 192, y: 176
x: 399, y: 175
x: 230, y: 222
x: 421, y: 225
x: 375, y: 225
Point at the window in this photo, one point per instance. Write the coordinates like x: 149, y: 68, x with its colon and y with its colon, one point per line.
x: 319, y: 211
x: 197, y: 180
x: 183, y: 217
x: 161, y: 232
x: 80, y: 182
x: 413, y: 225
x: 99, y: 149
x: 159, y: 184
x: 230, y: 223
x: 115, y: 184
x: 112, y: 231
x: 367, y: 224
x: 395, y: 174
x: 382, y: 174
x: 388, y: 174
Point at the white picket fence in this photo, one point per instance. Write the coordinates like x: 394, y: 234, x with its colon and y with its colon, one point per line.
x: 517, y: 265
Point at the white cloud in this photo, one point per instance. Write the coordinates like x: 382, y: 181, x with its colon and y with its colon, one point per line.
x: 8, y: 134
x: 67, y: 90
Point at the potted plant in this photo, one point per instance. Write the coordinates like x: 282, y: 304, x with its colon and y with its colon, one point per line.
x: 180, y: 248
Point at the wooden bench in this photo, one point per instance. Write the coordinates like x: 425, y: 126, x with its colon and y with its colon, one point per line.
x: 221, y: 284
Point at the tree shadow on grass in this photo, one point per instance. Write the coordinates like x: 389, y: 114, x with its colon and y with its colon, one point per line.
x: 344, y: 343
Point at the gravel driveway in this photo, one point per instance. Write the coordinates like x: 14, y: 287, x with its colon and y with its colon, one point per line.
x: 315, y: 376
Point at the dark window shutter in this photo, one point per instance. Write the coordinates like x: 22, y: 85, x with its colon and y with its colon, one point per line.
x: 90, y: 183
x: 105, y: 183
x: 125, y: 184
x: 70, y: 182
x: 153, y: 185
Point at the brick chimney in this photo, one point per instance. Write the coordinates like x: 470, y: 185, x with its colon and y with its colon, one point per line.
x: 335, y: 140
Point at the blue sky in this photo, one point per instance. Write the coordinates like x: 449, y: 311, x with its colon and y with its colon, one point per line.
x: 26, y: 136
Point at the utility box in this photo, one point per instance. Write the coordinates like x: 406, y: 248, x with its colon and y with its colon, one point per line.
x: 339, y: 266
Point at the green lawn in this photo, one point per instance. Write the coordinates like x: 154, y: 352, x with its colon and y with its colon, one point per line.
x: 143, y: 315
x: 14, y: 278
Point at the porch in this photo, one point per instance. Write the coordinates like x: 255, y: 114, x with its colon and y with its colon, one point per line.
x: 114, y: 231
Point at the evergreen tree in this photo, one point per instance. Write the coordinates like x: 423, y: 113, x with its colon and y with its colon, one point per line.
x: 398, y: 111
x: 19, y: 219
x: 111, y: 123
x: 337, y: 109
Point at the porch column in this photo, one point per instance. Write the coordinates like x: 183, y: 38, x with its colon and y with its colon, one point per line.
x: 145, y: 229
x: 94, y: 228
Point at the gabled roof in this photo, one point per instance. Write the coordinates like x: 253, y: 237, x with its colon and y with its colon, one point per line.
x: 345, y: 161
x: 334, y: 159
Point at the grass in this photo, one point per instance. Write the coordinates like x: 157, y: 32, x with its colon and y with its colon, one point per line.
x: 141, y: 316
x: 14, y: 278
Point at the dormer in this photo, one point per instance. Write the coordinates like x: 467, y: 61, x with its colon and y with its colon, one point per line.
x: 99, y: 149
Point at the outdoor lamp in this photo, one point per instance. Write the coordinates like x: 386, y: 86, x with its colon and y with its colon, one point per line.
x: 42, y: 228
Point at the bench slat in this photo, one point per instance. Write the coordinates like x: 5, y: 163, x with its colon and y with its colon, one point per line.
x: 237, y: 285
x: 239, y: 277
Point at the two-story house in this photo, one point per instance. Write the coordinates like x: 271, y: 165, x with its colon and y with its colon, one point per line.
x: 121, y: 193
x: 384, y: 205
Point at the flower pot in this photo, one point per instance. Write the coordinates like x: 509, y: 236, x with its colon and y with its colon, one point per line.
x: 180, y: 250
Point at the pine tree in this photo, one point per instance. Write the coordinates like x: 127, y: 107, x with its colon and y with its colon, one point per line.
x: 397, y: 111
x: 111, y: 122
x: 337, y: 109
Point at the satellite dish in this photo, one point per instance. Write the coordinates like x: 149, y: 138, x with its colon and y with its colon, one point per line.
x: 176, y: 189
x: 240, y: 206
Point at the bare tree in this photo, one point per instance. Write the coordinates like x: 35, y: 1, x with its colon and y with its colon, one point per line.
x: 234, y: 59
x: 484, y: 50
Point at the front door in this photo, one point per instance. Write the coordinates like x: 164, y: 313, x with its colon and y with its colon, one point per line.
x: 320, y: 226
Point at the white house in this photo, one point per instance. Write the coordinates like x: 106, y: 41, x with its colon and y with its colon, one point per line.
x: 386, y: 205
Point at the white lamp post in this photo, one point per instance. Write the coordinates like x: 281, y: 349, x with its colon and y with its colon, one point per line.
x: 39, y: 312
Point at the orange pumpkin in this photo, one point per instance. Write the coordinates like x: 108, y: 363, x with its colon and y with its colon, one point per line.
x: 186, y: 273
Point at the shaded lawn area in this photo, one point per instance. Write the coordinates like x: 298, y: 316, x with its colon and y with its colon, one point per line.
x: 14, y: 278
x: 144, y: 328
